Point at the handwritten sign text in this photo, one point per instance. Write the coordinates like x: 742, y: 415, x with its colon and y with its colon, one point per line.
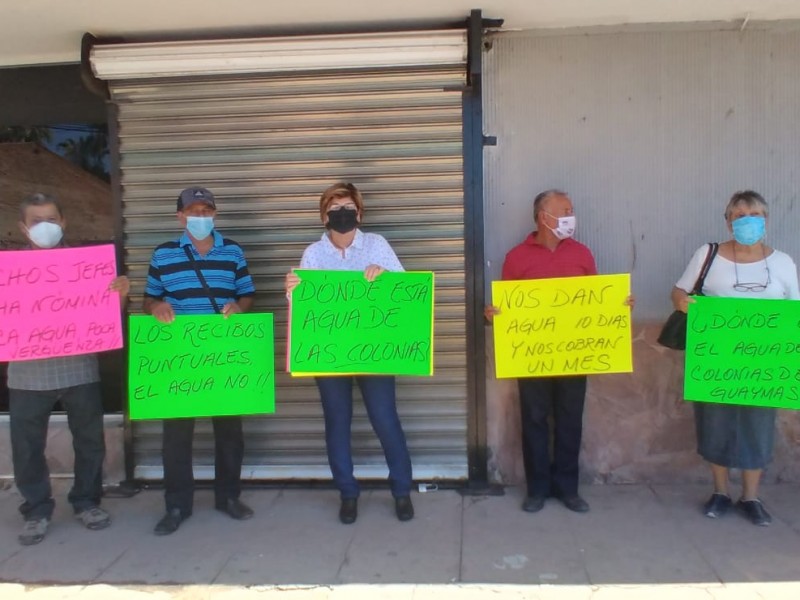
x: 743, y: 351
x: 342, y: 323
x: 57, y: 303
x: 201, y: 366
x: 562, y: 326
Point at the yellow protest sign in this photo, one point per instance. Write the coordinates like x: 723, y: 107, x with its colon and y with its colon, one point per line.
x: 563, y: 326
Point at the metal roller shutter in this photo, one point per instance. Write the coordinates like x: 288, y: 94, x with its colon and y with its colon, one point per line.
x: 267, y: 144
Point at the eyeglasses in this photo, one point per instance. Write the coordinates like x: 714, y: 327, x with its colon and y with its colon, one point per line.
x: 750, y: 287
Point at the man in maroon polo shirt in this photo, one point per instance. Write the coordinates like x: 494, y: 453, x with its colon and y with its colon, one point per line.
x: 550, y: 252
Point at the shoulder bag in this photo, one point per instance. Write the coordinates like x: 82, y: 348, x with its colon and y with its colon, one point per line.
x: 673, y: 334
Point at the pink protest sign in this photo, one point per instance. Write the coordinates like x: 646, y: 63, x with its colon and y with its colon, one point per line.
x: 57, y: 303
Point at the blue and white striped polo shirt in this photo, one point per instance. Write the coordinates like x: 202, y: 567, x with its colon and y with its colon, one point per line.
x: 172, y: 276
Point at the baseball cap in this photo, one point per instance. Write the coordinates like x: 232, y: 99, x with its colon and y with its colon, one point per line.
x: 196, y: 194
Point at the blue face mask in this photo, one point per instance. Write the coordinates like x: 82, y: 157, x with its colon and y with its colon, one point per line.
x: 200, y: 227
x: 749, y: 230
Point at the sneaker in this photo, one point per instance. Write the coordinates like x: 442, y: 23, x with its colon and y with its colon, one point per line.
x: 94, y: 518
x: 755, y: 511
x: 33, y: 531
x: 717, y: 505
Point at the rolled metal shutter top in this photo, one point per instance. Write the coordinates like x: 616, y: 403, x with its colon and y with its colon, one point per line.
x: 267, y: 145
x: 252, y: 56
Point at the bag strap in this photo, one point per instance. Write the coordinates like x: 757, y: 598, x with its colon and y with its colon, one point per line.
x: 202, y: 279
x: 701, y: 279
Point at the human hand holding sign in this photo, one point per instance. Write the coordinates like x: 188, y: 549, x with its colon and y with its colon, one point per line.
x: 231, y: 308
x: 372, y: 272
x: 163, y: 312
x: 681, y: 300
x: 292, y: 281
x: 490, y: 311
x: 120, y: 284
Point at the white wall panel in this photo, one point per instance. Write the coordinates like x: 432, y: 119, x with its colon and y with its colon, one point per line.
x: 650, y: 133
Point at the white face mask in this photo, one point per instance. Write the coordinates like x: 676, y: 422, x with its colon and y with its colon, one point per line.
x: 565, y: 228
x: 46, y: 234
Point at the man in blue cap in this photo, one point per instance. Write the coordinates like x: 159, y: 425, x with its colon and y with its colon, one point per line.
x: 200, y: 273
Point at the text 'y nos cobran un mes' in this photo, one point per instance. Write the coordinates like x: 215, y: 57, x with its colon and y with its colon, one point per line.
x: 590, y: 350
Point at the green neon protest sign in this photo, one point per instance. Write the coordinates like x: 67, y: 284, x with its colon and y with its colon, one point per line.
x: 201, y: 366
x: 341, y: 323
x: 743, y: 351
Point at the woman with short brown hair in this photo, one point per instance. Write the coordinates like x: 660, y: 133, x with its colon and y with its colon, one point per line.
x: 344, y: 247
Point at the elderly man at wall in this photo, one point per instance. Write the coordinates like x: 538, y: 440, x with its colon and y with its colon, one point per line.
x: 36, y: 386
x: 731, y: 436
x: 200, y: 273
x: 550, y: 252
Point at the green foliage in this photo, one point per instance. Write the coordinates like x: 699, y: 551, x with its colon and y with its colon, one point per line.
x: 17, y: 133
x: 89, y: 152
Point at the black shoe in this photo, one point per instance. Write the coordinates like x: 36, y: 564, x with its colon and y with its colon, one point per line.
x: 170, y: 522
x: 533, y: 503
x: 348, y: 511
x: 236, y: 509
x: 124, y: 489
x: 717, y: 505
x: 575, y: 503
x: 755, y: 511
x: 403, y: 508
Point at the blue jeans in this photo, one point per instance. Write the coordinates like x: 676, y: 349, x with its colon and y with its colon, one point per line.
x: 29, y: 413
x: 379, y: 398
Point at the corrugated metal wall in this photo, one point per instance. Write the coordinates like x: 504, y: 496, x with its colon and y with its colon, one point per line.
x: 650, y: 133
x: 267, y: 147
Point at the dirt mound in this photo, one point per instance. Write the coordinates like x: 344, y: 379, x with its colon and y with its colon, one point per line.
x: 26, y: 168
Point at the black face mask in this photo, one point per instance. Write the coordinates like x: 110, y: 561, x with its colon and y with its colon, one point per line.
x: 343, y: 220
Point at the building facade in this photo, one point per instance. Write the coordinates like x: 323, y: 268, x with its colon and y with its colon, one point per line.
x: 649, y: 128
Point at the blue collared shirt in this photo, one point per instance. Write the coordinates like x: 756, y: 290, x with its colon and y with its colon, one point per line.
x: 172, y: 276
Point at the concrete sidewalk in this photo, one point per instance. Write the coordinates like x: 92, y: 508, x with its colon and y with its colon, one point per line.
x: 652, y: 536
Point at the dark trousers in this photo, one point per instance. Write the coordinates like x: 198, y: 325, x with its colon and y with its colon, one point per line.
x: 29, y: 412
x: 379, y: 399
x: 178, y: 472
x: 564, y: 397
